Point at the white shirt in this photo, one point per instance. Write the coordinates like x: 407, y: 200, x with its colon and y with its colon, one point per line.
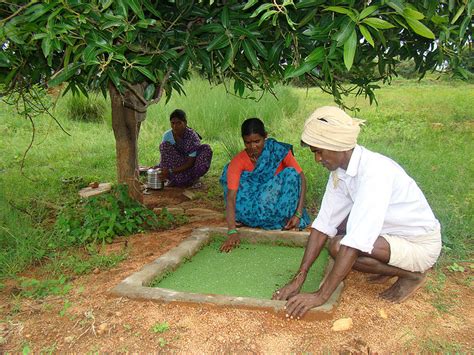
x: 381, y: 199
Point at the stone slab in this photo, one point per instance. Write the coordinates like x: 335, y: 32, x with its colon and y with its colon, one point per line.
x: 90, y: 191
x: 136, y: 285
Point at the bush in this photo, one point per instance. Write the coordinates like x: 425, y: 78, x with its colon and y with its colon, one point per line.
x: 407, y: 69
x: 81, y: 108
x: 101, y: 218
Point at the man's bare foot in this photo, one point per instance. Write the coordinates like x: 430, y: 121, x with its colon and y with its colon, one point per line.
x: 404, y: 288
x: 378, y: 279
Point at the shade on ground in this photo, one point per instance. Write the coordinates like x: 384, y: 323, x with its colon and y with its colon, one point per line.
x: 252, y: 270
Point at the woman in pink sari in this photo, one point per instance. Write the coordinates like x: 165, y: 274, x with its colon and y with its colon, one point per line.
x: 183, y: 158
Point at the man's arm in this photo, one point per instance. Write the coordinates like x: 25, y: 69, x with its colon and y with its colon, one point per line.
x: 315, y: 244
x: 298, y: 305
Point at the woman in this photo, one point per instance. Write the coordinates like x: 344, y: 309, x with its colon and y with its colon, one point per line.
x: 263, y: 185
x: 183, y: 158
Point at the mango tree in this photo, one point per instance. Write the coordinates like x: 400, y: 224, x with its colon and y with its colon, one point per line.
x: 138, y: 51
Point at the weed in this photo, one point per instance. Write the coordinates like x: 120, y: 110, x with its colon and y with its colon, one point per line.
x: 86, y: 109
x: 76, y: 264
x: 32, y: 288
x: 66, y: 306
x: 455, y: 267
x: 162, y: 342
x: 436, y: 346
x: 160, y: 327
x: 101, y: 218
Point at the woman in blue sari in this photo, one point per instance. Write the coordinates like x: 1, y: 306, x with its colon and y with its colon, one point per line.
x: 263, y: 185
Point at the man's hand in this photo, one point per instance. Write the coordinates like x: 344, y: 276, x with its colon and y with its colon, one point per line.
x: 287, y: 291
x: 232, y: 242
x: 293, y: 222
x: 298, y: 305
x: 164, y: 174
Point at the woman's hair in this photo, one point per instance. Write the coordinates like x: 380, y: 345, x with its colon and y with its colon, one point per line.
x: 253, y: 125
x: 179, y: 114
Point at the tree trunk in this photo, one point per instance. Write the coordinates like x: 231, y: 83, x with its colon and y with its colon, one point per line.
x: 126, y: 119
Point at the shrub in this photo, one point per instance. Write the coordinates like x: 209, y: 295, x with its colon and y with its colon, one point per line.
x: 81, y: 108
x: 101, y: 218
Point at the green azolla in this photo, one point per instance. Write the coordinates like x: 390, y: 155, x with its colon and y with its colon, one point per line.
x: 252, y: 270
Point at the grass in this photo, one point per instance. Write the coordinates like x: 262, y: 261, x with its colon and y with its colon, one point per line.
x: 427, y: 127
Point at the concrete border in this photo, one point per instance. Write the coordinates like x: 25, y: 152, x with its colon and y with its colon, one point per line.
x: 135, y: 286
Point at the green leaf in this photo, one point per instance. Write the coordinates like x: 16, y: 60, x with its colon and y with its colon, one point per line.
x: 316, y: 55
x: 249, y: 4
x: 408, y: 12
x: 225, y: 17
x: 368, y: 11
x: 136, y: 8
x: 46, y: 46
x: 146, y: 72
x: 455, y: 18
x: 218, y: 42
x: 377, y: 23
x: 349, y: 50
x: 148, y: 95
x: 463, y: 28
x: 250, y: 53
x: 346, y: 30
x: 396, y: 5
x: 365, y: 32
x: 419, y: 28
x: 291, y: 72
x: 146, y: 22
x: 64, y: 74
x: 261, y: 8
x: 342, y: 10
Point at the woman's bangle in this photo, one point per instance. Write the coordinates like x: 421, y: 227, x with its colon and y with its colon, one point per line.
x: 298, y: 214
x: 232, y: 231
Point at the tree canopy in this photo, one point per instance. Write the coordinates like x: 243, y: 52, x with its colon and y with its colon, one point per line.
x: 89, y: 44
x: 138, y: 50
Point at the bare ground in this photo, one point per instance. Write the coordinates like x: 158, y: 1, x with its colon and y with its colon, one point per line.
x: 438, y: 318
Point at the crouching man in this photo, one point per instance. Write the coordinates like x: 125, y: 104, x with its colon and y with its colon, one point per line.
x: 391, y: 230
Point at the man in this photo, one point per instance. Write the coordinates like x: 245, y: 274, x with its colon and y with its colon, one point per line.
x: 391, y: 230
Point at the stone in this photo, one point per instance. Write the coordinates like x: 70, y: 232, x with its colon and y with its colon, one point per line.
x: 198, y: 211
x: 189, y: 194
x: 96, y: 271
x: 101, y: 329
x: 100, y: 189
x: 342, y: 324
x: 171, y: 210
x: 69, y: 339
x: 383, y: 314
x: 205, y: 217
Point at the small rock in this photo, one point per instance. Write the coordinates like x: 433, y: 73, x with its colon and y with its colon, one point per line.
x: 118, y: 313
x: 342, y: 324
x: 121, y: 338
x: 189, y: 194
x: 101, y: 329
x: 96, y: 271
x: 383, y: 314
x: 68, y: 339
x: 172, y: 210
x: 100, y: 189
x: 198, y: 211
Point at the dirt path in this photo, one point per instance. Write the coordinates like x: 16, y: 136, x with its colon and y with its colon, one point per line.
x: 96, y: 321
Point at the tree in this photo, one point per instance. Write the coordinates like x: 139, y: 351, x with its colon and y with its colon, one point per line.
x: 138, y: 50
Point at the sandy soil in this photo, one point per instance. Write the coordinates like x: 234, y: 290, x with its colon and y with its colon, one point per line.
x: 97, y: 321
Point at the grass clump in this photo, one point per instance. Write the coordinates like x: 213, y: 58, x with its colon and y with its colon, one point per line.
x: 33, y: 288
x: 86, y: 109
x: 101, y: 218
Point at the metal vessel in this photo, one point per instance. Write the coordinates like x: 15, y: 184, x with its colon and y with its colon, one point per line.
x: 154, y: 181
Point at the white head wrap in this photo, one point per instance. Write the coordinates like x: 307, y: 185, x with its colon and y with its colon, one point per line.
x: 331, y: 128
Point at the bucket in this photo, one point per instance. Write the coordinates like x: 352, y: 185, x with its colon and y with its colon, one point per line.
x: 154, y: 181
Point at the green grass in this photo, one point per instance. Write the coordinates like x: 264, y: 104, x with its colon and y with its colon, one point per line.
x: 251, y: 270
x: 427, y: 127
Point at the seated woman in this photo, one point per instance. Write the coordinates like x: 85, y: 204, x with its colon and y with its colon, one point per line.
x: 183, y: 158
x: 263, y: 185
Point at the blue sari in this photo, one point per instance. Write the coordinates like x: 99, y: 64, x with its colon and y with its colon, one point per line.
x: 264, y: 199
